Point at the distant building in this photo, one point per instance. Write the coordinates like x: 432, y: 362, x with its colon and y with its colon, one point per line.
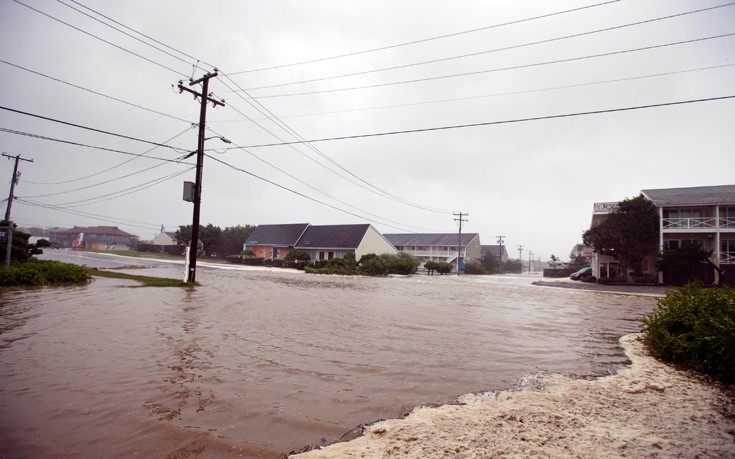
x: 438, y: 246
x: 94, y: 238
x: 274, y: 241
x: 581, y: 250
x: 321, y: 242
x: 495, y: 251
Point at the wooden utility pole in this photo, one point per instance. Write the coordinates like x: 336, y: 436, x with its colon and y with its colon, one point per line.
x: 9, y: 231
x: 459, y: 236
x: 205, y: 97
x: 13, y: 181
x: 520, y: 256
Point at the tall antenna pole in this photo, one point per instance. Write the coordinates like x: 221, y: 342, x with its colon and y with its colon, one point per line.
x: 459, y: 236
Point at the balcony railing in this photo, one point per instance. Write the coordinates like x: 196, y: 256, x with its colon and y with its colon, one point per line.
x: 690, y: 223
x: 727, y: 257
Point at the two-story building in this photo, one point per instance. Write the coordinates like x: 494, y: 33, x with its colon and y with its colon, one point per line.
x: 705, y: 214
x: 438, y: 246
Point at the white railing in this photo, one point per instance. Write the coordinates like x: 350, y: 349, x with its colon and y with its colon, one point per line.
x: 727, y: 222
x: 727, y: 257
x: 690, y: 223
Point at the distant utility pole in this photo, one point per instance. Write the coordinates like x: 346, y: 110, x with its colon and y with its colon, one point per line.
x: 9, y: 230
x: 205, y: 97
x: 500, y: 253
x: 14, y: 180
x: 459, y: 236
x: 520, y: 256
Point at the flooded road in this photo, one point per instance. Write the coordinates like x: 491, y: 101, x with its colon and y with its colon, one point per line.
x: 259, y: 363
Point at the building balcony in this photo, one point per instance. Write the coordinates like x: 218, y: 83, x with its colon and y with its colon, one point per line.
x: 698, y: 224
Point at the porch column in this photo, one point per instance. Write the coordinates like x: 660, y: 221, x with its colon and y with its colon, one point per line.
x: 660, y: 240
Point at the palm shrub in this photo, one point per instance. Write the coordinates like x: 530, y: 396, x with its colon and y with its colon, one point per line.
x: 695, y: 327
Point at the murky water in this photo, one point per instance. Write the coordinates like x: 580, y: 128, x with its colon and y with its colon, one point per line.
x: 256, y: 364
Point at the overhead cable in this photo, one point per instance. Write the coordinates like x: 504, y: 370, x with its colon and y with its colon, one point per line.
x: 491, y: 123
x: 479, y: 53
x: 424, y: 40
x: 498, y: 69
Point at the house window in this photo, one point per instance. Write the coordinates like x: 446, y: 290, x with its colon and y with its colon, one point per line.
x: 330, y: 255
x: 672, y: 244
x: 321, y: 255
x: 727, y: 217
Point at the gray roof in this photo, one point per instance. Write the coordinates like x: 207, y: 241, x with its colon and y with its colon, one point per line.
x: 701, y: 195
x: 428, y: 239
x: 493, y: 250
x: 107, y: 230
x: 333, y: 237
x: 279, y: 235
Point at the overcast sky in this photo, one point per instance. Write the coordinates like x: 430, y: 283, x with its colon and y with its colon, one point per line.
x: 297, y: 70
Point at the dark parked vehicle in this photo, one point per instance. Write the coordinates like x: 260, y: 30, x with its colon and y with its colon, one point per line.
x: 581, y: 274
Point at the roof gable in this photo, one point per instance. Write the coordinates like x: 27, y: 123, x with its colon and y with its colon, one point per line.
x: 333, y: 236
x: 283, y: 235
x: 428, y: 239
x: 702, y: 195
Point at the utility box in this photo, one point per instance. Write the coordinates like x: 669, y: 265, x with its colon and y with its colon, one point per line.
x: 189, y: 191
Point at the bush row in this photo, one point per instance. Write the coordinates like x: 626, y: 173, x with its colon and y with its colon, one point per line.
x: 43, y: 272
x: 695, y: 327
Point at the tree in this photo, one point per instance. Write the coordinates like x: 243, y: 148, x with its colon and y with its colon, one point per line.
x: 554, y: 260
x: 209, y: 235
x: 489, y: 263
x: 683, y: 264
x: 233, y: 238
x: 629, y: 233
x: 19, y: 245
x: 578, y: 262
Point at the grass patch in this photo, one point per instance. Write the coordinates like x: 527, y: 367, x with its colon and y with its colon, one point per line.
x: 147, y: 281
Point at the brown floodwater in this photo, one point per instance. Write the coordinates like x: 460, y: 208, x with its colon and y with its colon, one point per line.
x: 259, y: 363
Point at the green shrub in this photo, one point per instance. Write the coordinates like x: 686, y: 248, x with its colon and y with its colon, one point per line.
x: 474, y: 268
x: 373, y: 265
x: 43, y: 272
x: 402, y: 263
x: 695, y: 327
x: 297, y: 255
x: 248, y: 253
x: 237, y: 259
x: 252, y: 261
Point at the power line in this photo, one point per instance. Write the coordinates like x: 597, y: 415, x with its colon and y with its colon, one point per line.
x: 491, y: 123
x: 508, y: 93
x: 479, y: 53
x: 109, y: 168
x: 122, y: 32
x: 370, y: 187
x: 100, y: 39
x: 498, y: 69
x: 180, y: 150
x: 87, y: 215
x: 424, y: 40
x: 140, y: 33
x: 52, y: 139
x: 124, y: 192
x: 302, y: 194
x: 293, y: 177
x: 92, y: 91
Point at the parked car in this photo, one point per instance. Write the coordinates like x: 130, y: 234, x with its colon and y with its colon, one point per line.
x: 581, y: 274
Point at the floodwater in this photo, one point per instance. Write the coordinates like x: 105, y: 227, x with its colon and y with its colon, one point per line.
x: 260, y: 363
